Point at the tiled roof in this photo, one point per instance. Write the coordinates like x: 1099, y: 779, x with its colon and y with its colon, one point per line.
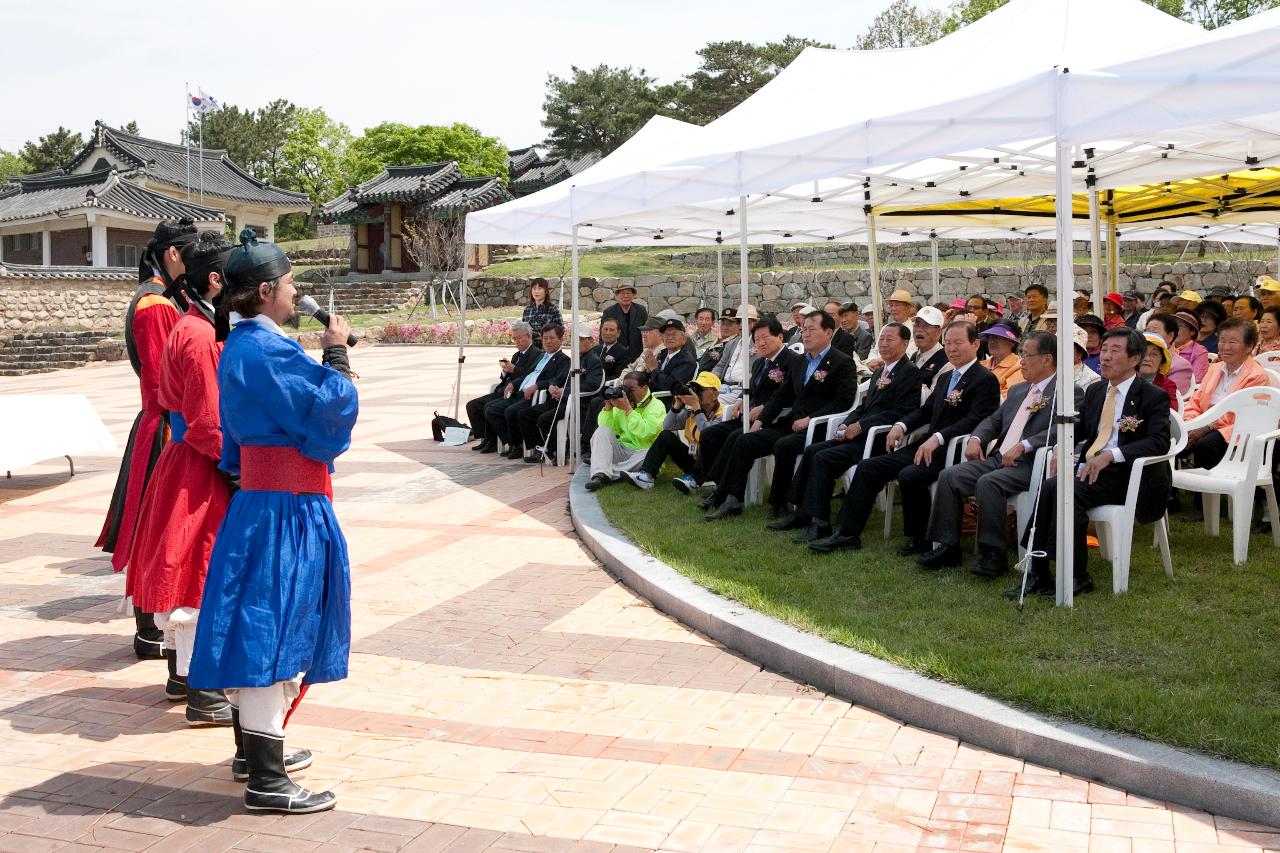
x: 471, y: 194
x: 166, y: 163
x: 551, y: 171
x: 520, y: 160
x: 105, y: 189
x: 437, y: 186
x: 8, y: 270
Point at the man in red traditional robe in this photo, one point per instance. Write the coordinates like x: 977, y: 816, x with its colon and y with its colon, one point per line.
x: 188, y: 496
x: 148, y: 321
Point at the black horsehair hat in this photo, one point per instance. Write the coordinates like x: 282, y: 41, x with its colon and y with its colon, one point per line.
x: 252, y: 263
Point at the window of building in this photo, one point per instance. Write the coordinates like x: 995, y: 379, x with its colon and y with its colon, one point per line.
x: 10, y: 243
x: 126, y: 256
x: 30, y: 242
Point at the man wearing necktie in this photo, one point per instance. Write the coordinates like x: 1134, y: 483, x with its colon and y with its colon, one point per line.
x: 960, y: 399
x: 1020, y: 427
x: 1122, y: 419
x: 502, y: 416
x: 893, y: 391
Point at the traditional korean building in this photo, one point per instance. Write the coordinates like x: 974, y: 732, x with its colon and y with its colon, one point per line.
x: 536, y: 174
x: 102, y: 207
x: 387, y: 210
x: 97, y: 219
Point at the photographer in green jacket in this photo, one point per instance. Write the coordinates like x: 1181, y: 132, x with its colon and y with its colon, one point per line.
x: 627, y: 425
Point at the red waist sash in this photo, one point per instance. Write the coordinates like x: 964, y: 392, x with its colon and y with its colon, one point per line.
x: 282, y: 469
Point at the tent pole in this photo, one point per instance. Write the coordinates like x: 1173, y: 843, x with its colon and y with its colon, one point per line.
x: 744, y: 259
x: 1066, y: 403
x: 1095, y: 251
x: 937, y: 272
x: 575, y: 409
x: 462, y: 335
x: 719, y: 277
x: 873, y: 273
x: 1113, y: 257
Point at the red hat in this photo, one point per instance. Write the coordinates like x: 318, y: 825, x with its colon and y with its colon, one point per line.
x: 1115, y: 299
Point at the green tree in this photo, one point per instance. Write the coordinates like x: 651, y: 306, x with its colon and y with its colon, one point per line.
x: 596, y: 110
x: 1209, y: 14
x: 131, y: 127
x: 11, y: 164
x: 313, y: 157
x: 395, y: 144
x: 52, y: 151
x: 730, y: 72
x: 254, y: 140
x: 902, y: 25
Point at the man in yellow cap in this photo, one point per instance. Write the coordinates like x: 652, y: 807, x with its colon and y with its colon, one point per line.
x: 1268, y: 291
x: 1187, y: 300
x: 691, y: 412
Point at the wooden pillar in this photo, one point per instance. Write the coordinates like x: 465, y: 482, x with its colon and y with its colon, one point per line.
x: 386, y: 237
x: 46, y: 248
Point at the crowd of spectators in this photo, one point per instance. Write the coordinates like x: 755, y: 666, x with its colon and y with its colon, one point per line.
x: 949, y: 403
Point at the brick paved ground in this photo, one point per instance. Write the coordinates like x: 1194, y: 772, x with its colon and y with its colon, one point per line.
x: 506, y: 694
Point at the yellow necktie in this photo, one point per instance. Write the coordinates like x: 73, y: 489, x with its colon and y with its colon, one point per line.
x: 1106, y: 426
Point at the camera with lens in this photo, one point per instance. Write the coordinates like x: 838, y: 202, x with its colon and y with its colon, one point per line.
x: 679, y: 389
x: 615, y: 393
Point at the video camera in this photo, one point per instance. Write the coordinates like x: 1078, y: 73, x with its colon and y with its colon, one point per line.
x: 615, y: 393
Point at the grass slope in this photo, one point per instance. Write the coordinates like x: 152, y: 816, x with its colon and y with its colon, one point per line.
x: 1190, y: 662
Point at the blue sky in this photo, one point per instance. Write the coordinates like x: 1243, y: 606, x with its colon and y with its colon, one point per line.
x: 363, y: 62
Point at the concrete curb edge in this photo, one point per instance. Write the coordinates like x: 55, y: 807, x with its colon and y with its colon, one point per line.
x: 1140, y: 766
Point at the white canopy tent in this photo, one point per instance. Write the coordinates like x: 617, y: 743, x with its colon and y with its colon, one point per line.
x: 946, y: 131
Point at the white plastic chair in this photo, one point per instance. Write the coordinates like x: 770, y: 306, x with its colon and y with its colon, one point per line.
x: 1269, y: 360
x: 1245, y: 467
x: 1115, y: 522
x: 1274, y: 373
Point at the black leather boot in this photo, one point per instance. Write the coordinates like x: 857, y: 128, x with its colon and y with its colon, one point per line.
x: 208, y: 708
x: 299, y: 759
x: 269, y: 788
x: 175, y: 689
x: 148, y: 640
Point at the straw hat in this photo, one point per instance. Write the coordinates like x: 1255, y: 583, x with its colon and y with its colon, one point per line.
x: 1166, y: 360
x: 901, y: 295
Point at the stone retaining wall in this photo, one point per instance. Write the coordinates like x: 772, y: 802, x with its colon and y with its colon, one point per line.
x: 996, y: 251
x: 777, y: 291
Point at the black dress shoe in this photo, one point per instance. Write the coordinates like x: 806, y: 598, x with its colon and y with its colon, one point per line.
x: 731, y: 507
x: 534, y: 457
x: 836, y: 542
x: 942, y: 557
x: 597, y: 481
x: 915, y: 545
x: 774, y: 513
x: 790, y: 521
x: 486, y: 448
x: 990, y: 564
x: 514, y: 452
x: 479, y: 448
x: 815, y: 531
x: 708, y: 502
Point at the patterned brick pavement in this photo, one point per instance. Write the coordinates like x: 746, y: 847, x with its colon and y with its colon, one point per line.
x: 505, y: 695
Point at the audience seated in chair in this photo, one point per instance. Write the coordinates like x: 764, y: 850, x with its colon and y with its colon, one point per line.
x: 690, y: 414
x: 513, y: 371
x: 628, y: 424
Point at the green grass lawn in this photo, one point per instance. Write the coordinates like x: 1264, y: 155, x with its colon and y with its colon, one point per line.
x: 606, y: 262
x: 1191, y: 662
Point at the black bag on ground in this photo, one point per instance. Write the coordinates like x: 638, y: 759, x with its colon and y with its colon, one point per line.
x: 442, y: 422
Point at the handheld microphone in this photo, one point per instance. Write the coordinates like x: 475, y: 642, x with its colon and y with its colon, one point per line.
x: 309, y: 306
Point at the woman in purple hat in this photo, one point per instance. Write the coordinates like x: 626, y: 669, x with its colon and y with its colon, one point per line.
x: 1003, y: 361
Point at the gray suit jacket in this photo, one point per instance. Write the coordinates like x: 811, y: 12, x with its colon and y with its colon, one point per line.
x: 996, y: 425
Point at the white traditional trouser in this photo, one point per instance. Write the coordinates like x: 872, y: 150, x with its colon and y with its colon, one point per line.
x: 179, y: 627
x: 610, y: 457
x: 263, y: 709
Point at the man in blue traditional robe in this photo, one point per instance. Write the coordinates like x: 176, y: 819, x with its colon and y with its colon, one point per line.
x: 276, y: 612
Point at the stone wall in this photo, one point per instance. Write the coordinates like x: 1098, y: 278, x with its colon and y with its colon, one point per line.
x: 777, y: 291
x: 1025, y: 251
x: 27, y: 303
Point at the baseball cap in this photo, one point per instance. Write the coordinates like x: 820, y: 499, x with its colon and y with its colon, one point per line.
x: 1190, y: 296
x: 930, y: 315
x: 671, y: 323
x: 1267, y: 283
x: 704, y: 380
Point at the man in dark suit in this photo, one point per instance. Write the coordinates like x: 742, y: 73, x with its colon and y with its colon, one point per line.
x: 537, y: 421
x: 961, y: 398
x: 850, y: 322
x: 893, y: 391
x: 552, y: 367
x: 611, y: 351
x: 675, y: 365
x: 799, y: 311
x: 823, y: 382
x: 1019, y: 428
x: 769, y: 368
x: 1122, y: 419
x: 629, y: 315
x: 513, y: 371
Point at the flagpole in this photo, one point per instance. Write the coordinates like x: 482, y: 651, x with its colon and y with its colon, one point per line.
x: 186, y: 135
x: 202, y: 151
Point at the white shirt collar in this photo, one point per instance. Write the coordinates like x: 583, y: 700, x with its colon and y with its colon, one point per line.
x: 260, y: 319
x: 1122, y: 390
x: 961, y: 370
